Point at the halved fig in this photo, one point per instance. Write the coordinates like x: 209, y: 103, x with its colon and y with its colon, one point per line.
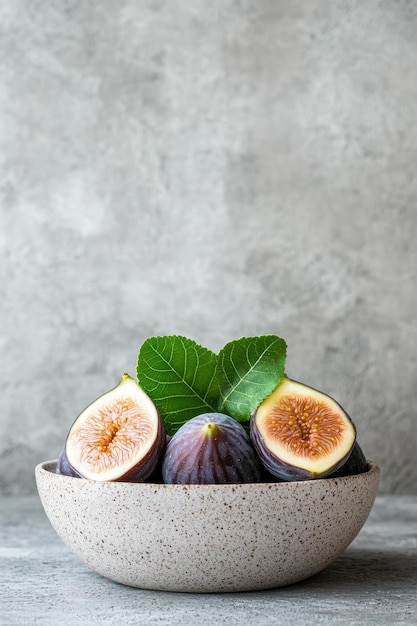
x: 301, y: 433
x: 119, y: 437
x: 63, y: 467
x: 355, y: 464
x: 211, y: 448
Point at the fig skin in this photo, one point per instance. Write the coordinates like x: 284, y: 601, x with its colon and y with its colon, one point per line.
x: 120, y: 408
x: 211, y: 448
x: 148, y: 465
x: 292, y: 471
x: 355, y: 464
x: 63, y: 466
x: 156, y: 476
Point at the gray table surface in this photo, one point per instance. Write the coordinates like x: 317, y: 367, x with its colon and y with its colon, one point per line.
x: 373, y: 582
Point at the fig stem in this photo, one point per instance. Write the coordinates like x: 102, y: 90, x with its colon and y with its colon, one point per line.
x: 210, y: 429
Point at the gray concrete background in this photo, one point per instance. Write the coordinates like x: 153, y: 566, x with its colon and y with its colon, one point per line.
x: 214, y: 169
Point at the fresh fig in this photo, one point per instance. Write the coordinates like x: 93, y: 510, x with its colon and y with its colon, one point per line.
x: 355, y: 464
x: 63, y: 467
x: 211, y: 448
x: 301, y: 433
x: 120, y: 436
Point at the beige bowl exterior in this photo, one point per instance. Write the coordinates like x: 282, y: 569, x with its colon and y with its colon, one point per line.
x: 207, y: 538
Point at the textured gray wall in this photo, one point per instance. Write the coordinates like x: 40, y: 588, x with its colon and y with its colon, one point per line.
x: 214, y: 169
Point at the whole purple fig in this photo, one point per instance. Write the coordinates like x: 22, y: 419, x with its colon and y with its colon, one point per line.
x: 211, y: 448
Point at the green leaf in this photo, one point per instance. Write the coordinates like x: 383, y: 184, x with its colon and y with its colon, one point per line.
x: 248, y: 370
x: 179, y: 376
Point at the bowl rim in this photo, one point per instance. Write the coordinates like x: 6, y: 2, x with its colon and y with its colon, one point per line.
x: 48, y: 468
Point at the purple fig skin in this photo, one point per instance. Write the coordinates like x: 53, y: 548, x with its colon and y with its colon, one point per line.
x: 355, y: 464
x: 156, y: 476
x: 280, y: 469
x: 267, y: 477
x: 211, y: 448
x: 148, y: 465
x: 64, y: 468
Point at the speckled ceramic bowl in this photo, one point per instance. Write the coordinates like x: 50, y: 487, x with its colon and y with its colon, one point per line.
x: 207, y: 538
